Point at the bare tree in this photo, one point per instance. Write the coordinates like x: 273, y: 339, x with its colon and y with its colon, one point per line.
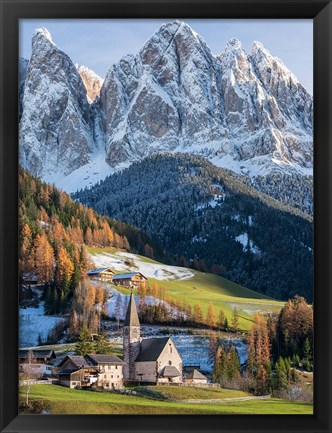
x: 118, y: 309
x: 30, y: 375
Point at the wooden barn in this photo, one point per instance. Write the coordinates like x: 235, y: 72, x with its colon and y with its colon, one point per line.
x: 134, y: 279
x: 104, y: 275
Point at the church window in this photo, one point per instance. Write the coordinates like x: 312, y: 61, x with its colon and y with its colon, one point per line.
x: 169, y: 362
x: 170, y: 348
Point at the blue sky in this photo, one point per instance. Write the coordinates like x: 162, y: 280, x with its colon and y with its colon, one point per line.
x: 98, y: 44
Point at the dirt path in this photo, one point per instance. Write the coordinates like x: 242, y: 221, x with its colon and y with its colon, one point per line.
x: 226, y: 400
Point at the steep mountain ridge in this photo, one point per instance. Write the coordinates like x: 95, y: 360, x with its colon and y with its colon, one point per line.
x: 55, y: 131
x: 245, y: 112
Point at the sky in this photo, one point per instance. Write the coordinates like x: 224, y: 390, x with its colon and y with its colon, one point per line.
x: 98, y: 44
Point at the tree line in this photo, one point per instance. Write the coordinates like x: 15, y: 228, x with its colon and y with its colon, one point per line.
x: 278, y: 348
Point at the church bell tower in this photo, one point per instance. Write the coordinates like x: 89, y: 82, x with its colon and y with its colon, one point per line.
x: 131, y: 340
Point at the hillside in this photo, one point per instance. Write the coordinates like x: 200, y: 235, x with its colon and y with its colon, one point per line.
x: 54, y: 231
x: 210, y: 219
x: 189, y: 286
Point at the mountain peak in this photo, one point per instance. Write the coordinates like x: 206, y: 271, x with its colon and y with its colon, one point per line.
x: 41, y: 35
x: 256, y: 46
x: 233, y: 44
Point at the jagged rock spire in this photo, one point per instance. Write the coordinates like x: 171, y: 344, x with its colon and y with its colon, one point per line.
x: 131, y: 316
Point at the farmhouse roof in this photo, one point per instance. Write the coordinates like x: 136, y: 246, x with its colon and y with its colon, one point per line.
x: 125, y: 276
x: 131, y: 316
x: 105, y: 359
x: 99, y: 271
x: 78, y: 360
x: 69, y: 371
x: 151, y: 348
x: 24, y: 353
x: 195, y: 374
x: 171, y: 371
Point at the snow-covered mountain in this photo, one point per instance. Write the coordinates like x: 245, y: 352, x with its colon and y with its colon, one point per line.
x: 55, y: 129
x: 245, y: 112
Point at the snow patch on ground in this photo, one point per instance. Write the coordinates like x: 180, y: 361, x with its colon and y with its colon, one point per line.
x: 247, y: 244
x: 86, y: 176
x: 117, y: 262
x: 33, y: 323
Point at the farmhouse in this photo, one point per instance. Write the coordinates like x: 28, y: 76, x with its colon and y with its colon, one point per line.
x: 36, y: 362
x: 104, y: 371
x: 101, y: 274
x: 134, y: 280
x: 152, y: 360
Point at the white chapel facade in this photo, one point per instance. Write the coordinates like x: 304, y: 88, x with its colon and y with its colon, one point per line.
x: 152, y: 360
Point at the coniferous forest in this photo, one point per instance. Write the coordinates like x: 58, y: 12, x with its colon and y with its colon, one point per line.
x: 211, y: 220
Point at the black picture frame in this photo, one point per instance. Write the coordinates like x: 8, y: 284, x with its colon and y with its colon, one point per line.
x: 321, y: 12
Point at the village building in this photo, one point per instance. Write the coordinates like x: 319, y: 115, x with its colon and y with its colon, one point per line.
x: 93, y: 370
x: 196, y: 377
x: 148, y: 360
x: 104, y: 275
x: 36, y: 362
x: 134, y: 280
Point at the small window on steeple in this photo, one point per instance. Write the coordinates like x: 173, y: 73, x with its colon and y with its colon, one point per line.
x: 170, y: 348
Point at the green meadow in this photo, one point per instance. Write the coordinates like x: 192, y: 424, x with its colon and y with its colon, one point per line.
x: 204, y: 288
x: 60, y: 400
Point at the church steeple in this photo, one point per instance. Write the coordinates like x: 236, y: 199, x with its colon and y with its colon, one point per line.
x: 131, y: 316
x: 131, y: 339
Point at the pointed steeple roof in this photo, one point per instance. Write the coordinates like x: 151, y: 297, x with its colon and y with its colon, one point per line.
x: 131, y: 316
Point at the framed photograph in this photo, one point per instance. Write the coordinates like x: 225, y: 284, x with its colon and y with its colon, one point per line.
x: 165, y: 218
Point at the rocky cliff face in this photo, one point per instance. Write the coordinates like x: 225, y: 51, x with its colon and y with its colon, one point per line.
x: 22, y: 72
x: 92, y: 82
x: 55, y: 131
x: 246, y: 112
x: 242, y: 109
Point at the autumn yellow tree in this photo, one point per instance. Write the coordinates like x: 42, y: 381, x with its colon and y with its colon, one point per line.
x: 198, y: 313
x: 259, y: 344
x: 44, y: 259
x: 64, y: 269
x: 26, y: 259
x: 211, y: 319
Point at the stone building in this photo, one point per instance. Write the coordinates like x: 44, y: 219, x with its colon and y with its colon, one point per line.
x: 152, y: 360
x: 196, y: 377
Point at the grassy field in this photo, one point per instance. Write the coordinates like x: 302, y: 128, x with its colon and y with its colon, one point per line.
x: 60, y: 400
x: 187, y: 392
x: 205, y: 288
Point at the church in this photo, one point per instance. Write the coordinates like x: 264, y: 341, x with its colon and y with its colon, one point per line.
x: 151, y: 360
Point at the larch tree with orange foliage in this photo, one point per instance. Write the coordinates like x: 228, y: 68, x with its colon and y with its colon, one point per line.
x: 44, y: 259
x: 211, y: 319
x: 26, y: 258
x: 64, y: 270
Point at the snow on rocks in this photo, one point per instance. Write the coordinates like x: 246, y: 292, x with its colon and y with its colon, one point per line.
x: 245, y: 112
